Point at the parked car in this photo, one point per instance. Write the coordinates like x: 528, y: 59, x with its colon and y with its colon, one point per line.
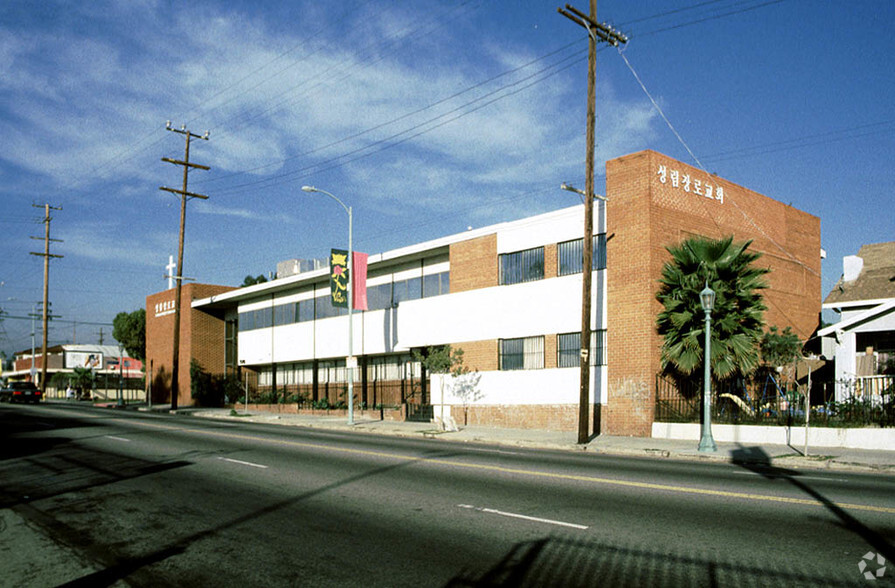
x: 21, y: 392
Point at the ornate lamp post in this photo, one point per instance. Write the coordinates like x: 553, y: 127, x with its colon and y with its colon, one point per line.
x: 706, y: 442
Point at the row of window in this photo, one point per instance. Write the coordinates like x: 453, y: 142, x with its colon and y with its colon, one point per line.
x: 528, y: 265
x: 379, y: 369
x: 378, y: 298
x: 527, y: 353
x: 524, y: 353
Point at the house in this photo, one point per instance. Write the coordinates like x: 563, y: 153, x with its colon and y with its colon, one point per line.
x: 509, y: 295
x: 863, y: 340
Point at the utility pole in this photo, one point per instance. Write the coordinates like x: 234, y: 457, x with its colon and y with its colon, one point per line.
x: 184, y: 195
x: 100, y: 335
x: 596, y: 32
x: 46, y: 303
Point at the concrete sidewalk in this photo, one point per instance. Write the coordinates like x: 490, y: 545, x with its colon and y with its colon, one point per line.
x: 766, y: 455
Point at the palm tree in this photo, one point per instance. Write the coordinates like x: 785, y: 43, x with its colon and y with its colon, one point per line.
x: 737, y: 318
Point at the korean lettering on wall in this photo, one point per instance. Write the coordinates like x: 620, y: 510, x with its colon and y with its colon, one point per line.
x: 163, y: 308
x: 690, y: 184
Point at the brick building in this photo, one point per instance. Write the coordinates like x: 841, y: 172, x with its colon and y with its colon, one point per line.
x: 509, y: 295
x: 201, y: 338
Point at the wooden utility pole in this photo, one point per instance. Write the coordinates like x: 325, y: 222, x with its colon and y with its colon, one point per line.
x: 184, y: 195
x: 596, y: 32
x: 46, y: 303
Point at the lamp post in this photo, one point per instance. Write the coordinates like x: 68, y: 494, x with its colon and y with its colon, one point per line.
x: 350, y: 360
x: 706, y: 442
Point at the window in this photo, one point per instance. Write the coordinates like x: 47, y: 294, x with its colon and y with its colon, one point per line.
x: 284, y: 314
x: 568, y: 349
x: 305, y: 311
x: 379, y: 297
x: 436, y: 284
x: 570, y: 255
x: 522, y: 354
x: 522, y: 266
x: 325, y: 308
x: 409, y: 289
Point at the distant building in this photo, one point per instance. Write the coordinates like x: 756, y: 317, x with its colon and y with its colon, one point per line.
x: 106, y: 361
x: 863, y: 340
x: 509, y: 295
x: 292, y: 267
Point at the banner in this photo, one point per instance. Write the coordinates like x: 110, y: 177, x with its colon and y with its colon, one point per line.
x: 359, y: 283
x: 338, y: 277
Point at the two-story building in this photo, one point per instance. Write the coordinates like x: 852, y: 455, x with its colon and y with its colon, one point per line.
x: 509, y: 295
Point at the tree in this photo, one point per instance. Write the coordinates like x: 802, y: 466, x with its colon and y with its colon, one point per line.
x: 780, y: 348
x: 251, y: 281
x: 84, y: 379
x: 737, y: 319
x: 442, y: 359
x: 129, y: 329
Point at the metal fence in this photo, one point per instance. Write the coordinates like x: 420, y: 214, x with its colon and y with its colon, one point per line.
x: 762, y: 400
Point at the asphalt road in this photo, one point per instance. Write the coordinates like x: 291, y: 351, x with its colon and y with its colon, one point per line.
x: 146, y: 500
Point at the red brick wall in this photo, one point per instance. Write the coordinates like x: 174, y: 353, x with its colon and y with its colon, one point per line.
x: 201, y: 337
x: 474, y: 264
x: 644, y: 216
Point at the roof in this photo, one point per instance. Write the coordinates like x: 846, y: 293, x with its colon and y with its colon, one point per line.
x: 876, y: 280
x: 859, y: 319
x: 225, y: 299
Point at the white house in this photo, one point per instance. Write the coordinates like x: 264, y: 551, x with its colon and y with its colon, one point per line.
x: 863, y: 341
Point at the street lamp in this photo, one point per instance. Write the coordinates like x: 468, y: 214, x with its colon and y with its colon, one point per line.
x: 706, y: 442
x: 350, y: 360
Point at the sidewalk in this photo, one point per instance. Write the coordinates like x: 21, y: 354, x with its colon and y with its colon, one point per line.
x: 766, y: 455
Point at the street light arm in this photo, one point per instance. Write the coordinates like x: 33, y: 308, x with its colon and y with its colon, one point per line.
x: 313, y: 189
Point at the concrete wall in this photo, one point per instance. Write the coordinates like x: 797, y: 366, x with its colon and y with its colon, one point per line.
x: 878, y: 439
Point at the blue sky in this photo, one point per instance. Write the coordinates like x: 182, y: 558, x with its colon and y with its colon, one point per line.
x: 426, y: 117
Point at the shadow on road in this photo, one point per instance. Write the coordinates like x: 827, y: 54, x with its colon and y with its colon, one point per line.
x: 131, y: 568
x: 568, y: 562
x: 756, y: 460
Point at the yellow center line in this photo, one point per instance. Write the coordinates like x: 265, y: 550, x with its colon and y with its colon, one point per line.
x: 531, y: 473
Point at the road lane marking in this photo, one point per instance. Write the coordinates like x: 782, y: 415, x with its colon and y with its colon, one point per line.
x: 118, y: 438
x: 771, y: 474
x: 246, y: 463
x: 500, y: 451
x: 529, y: 473
x: 522, y: 516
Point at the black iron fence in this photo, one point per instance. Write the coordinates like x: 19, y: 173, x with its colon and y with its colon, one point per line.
x: 765, y: 401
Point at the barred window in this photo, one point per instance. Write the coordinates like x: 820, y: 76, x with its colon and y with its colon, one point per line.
x: 526, y: 353
x: 568, y: 349
x: 522, y: 266
x: 570, y: 255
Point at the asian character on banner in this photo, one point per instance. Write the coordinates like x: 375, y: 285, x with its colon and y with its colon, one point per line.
x: 663, y: 173
x: 697, y: 187
x: 338, y: 279
x: 675, y: 178
x: 686, y: 181
x: 719, y: 194
x: 708, y: 191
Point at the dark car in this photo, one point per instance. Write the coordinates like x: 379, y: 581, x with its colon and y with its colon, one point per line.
x: 21, y: 392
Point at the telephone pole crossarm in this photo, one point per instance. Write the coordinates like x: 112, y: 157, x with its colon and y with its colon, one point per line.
x: 602, y: 30
x: 183, y: 193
